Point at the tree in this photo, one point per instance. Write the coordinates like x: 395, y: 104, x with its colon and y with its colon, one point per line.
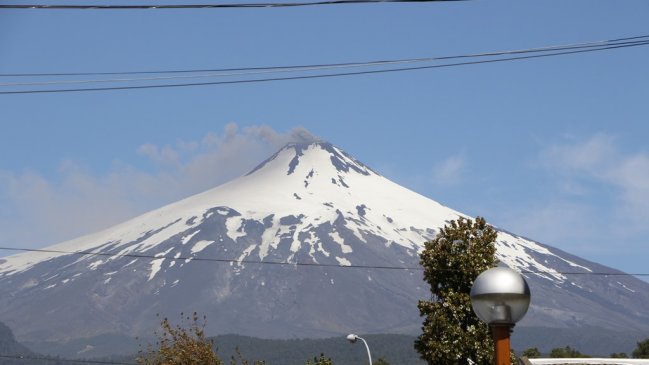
x: 532, y: 353
x: 642, y: 351
x: 177, y: 345
x: 618, y: 355
x: 240, y: 359
x: 381, y: 361
x: 320, y: 361
x: 452, y: 333
x: 566, y: 352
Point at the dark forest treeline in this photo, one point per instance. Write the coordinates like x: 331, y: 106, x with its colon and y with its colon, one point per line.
x: 396, y: 349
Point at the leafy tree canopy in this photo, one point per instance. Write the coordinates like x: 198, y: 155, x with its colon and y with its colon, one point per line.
x: 322, y: 360
x: 380, y: 361
x: 177, y: 345
x: 452, y: 333
x: 240, y: 359
x: 642, y: 351
x: 566, y: 352
x: 532, y: 353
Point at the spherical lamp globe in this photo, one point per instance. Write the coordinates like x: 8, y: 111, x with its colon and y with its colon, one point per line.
x: 500, y: 296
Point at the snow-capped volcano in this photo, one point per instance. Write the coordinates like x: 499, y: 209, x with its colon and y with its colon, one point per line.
x: 309, y: 185
x: 309, y: 203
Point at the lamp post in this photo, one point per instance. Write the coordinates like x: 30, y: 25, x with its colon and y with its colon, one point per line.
x: 352, y: 338
x: 500, y: 297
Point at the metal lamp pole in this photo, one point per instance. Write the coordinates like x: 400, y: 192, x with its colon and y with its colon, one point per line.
x: 352, y: 338
x: 502, y: 344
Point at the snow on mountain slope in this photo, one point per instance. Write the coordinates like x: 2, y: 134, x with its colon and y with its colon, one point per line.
x: 320, y: 183
x: 309, y: 203
x: 317, y: 183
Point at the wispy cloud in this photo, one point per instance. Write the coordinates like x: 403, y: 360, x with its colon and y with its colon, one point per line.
x: 570, y: 225
x: 449, y: 171
x: 37, y: 211
x: 601, y: 192
x: 599, y: 160
x: 582, y: 157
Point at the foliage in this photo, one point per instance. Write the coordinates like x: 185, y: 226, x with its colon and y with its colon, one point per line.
x: 619, y: 355
x: 452, y: 333
x: 566, y: 352
x: 397, y: 348
x: 532, y: 353
x: 381, y: 361
x: 642, y: 351
x: 320, y: 361
x: 239, y: 359
x: 177, y: 345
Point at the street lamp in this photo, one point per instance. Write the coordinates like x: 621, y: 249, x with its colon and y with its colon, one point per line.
x: 500, y: 297
x: 352, y: 338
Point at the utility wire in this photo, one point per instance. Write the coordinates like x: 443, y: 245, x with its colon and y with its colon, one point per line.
x: 57, y: 360
x: 342, y: 74
x: 279, y: 263
x: 206, y: 6
x: 261, y: 70
x: 210, y: 259
x: 618, y: 41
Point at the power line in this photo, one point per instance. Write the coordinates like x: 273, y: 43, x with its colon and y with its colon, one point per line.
x: 303, y: 68
x: 304, y: 77
x: 280, y: 263
x: 205, y: 6
x: 210, y: 259
x: 57, y: 360
x: 601, y: 43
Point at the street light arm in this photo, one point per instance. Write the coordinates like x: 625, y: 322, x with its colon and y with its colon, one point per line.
x: 352, y: 338
x: 369, y: 356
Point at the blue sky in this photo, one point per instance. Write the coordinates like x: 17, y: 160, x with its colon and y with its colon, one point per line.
x: 554, y: 149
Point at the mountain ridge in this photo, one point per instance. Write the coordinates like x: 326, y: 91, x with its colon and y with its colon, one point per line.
x: 308, y: 203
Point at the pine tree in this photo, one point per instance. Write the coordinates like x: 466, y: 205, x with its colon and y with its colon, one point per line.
x: 452, y: 333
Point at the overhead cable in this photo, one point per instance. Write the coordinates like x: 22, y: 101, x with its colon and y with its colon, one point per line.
x: 203, y: 6
x: 609, y: 42
x: 295, y: 263
x: 283, y: 69
x: 59, y: 360
x: 318, y: 76
x: 211, y: 259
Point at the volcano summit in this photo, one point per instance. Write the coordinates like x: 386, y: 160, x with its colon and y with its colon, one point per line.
x: 305, y: 245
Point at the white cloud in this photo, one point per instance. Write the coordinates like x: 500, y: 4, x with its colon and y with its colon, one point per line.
x: 601, y: 193
x: 164, y: 156
x: 631, y: 176
x: 588, y: 157
x: 37, y: 211
x: 561, y: 223
x: 599, y: 160
x: 448, y: 171
x: 40, y: 211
